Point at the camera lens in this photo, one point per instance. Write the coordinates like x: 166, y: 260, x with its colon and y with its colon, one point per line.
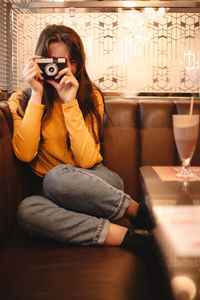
x: 51, y: 69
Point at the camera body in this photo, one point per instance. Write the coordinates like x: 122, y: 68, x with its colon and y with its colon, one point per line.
x: 51, y: 66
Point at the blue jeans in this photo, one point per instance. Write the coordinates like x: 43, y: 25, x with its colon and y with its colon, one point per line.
x: 77, y: 205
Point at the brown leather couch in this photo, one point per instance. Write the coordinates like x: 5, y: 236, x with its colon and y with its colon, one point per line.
x: 31, y: 269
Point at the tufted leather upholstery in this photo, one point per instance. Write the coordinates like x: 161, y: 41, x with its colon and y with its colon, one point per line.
x: 140, y: 134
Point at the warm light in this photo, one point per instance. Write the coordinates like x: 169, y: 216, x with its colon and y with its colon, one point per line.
x: 143, y: 36
x: 129, y: 4
x: 153, y: 12
x: 161, y: 10
x: 189, y: 60
x: 133, y: 21
x: 148, y: 10
x: 184, y: 285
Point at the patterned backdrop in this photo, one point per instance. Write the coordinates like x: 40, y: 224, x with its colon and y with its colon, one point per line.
x: 128, y: 51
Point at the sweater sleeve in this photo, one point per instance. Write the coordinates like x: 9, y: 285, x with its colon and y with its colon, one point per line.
x: 26, y: 129
x: 84, y: 148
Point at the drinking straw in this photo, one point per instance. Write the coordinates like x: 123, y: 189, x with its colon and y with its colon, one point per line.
x: 191, y: 105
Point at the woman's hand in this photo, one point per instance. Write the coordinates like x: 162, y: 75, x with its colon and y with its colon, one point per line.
x: 68, y: 85
x: 33, y: 75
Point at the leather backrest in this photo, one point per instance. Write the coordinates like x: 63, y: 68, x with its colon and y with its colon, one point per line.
x: 156, y: 133
x: 121, y: 150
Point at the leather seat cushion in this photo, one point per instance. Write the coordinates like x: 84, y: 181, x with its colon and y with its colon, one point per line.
x: 37, y: 269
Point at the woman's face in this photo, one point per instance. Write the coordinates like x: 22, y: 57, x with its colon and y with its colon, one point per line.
x: 60, y: 49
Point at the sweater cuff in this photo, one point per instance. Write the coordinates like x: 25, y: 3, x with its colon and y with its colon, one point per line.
x: 72, y: 104
x: 35, y: 106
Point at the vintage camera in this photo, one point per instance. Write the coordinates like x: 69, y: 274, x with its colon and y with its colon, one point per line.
x: 51, y: 66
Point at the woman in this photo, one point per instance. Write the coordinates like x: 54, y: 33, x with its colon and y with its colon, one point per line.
x: 57, y: 130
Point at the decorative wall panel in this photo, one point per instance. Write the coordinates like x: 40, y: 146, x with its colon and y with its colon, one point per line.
x: 128, y: 51
x: 4, y: 46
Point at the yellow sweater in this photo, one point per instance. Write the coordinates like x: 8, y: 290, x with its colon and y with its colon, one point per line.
x: 66, y: 118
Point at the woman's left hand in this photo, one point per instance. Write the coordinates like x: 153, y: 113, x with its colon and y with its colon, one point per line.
x: 68, y: 85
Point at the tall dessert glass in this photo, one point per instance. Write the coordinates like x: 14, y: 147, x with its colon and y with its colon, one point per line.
x: 186, y: 128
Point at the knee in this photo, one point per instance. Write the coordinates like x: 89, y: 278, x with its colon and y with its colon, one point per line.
x: 27, y: 209
x: 24, y: 212
x: 31, y: 212
x: 115, y: 180
x: 109, y: 176
x: 119, y: 184
x: 52, y: 177
x: 57, y: 178
x: 24, y: 208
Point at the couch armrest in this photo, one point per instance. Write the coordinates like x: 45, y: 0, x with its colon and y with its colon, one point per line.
x: 13, y: 180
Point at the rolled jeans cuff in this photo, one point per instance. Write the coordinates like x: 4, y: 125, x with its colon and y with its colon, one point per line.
x: 102, y: 232
x: 122, y: 208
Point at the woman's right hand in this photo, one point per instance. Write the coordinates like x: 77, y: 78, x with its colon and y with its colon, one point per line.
x: 33, y: 75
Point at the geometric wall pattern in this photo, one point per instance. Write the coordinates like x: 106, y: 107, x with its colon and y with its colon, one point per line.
x: 4, y: 46
x: 128, y: 51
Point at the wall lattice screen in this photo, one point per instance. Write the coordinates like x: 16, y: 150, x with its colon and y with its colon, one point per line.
x: 4, y: 46
x: 128, y: 51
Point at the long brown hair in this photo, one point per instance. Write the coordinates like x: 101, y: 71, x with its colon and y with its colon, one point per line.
x: 85, y: 93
